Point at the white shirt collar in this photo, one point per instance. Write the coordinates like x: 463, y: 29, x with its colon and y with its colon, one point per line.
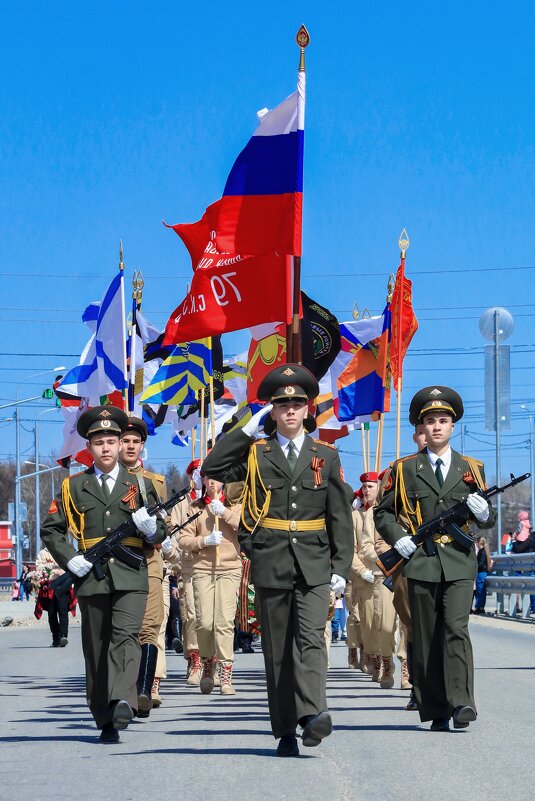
x: 298, y: 442
x: 112, y: 474
x: 446, y: 459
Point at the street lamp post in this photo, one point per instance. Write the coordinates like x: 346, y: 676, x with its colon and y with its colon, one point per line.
x: 531, y: 462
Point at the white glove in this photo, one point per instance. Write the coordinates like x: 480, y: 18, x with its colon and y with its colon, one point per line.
x: 368, y: 576
x: 338, y: 584
x: 479, y: 507
x: 357, y: 503
x: 79, y: 565
x: 216, y: 507
x: 197, y: 479
x: 145, y: 523
x: 167, y: 546
x: 405, y: 547
x: 213, y: 539
x: 251, y: 428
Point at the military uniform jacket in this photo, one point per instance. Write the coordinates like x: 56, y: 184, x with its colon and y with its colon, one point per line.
x: 101, y: 517
x: 153, y: 556
x: 423, y: 491
x: 301, y: 496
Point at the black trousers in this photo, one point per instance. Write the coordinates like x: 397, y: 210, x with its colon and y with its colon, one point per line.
x: 58, y: 616
x: 295, y: 655
x: 442, y: 667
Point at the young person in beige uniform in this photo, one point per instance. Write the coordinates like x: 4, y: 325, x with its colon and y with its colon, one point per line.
x: 216, y: 577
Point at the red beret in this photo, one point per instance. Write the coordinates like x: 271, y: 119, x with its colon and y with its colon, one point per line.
x: 371, y: 475
x: 192, y: 466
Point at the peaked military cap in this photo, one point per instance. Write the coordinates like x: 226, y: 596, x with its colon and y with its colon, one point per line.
x: 102, y: 420
x: 139, y: 425
x: 288, y: 382
x: 435, y: 399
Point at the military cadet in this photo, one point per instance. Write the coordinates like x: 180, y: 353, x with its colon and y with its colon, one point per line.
x: 296, y: 527
x: 90, y: 505
x: 377, y: 613
x: 184, y: 572
x: 131, y: 446
x: 441, y: 572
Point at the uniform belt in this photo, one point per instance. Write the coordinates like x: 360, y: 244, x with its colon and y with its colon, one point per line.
x: 442, y: 539
x: 293, y: 525
x: 134, y: 542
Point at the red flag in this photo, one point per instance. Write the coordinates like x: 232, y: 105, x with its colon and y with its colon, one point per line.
x: 228, y: 291
x: 404, y: 323
x: 264, y: 355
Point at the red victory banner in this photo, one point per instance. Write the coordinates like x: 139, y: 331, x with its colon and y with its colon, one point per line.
x: 228, y: 292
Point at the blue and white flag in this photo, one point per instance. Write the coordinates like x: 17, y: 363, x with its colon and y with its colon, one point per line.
x: 102, y: 363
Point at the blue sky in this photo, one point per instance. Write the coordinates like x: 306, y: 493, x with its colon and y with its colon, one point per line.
x: 119, y: 115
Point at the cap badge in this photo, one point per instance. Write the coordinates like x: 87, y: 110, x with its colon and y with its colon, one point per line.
x: 436, y: 403
x: 105, y: 413
x: 289, y: 390
x: 288, y: 371
x: 435, y: 392
x: 105, y: 423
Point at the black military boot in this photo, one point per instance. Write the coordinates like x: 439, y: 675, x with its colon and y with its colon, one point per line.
x: 145, y: 678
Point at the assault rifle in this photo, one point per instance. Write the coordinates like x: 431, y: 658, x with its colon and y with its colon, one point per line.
x: 448, y: 523
x: 112, y: 545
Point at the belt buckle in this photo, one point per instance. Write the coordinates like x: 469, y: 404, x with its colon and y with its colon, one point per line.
x: 293, y: 525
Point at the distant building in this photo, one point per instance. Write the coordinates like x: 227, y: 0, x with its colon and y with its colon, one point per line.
x: 8, y: 567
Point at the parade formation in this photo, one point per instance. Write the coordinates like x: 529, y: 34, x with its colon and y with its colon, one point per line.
x: 266, y: 541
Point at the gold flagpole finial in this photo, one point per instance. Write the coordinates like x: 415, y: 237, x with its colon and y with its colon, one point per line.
x: 403, y: 242
x: 121, y: 263
x: 303, y: 40
x: 140, y: 285
x: 390, y: 287
x: 355, y: 312
x: 366, y: 314
x: 134, y: 285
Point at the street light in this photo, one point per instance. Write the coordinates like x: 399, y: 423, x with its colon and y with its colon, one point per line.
x: 17, y: 403
x: 531, y: 460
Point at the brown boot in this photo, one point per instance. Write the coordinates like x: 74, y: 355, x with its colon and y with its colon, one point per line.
x: 217, y: 682
x: 405, y: 683
x: 365, y: 661
x: 155, y: 693
x: 387, y: 675
x: 226, y: 687
x: 352, y: 658
x: 195, y: 669
x: 207, y: 681
x: 377, y: 664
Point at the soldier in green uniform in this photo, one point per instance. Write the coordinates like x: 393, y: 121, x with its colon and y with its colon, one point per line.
x: 90, y: 505
x: 297, y: 529
x: 441, y: 572
x: 131, y: 446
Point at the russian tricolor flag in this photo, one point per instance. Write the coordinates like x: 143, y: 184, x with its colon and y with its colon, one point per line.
x: 261, y: 207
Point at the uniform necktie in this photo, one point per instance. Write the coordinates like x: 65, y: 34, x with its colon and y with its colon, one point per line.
x: 292, y: 456
x: 105, y: 489
x: 438, y: 472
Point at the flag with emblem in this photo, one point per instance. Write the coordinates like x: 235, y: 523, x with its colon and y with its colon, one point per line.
x: 404, y: 323
x: 182, y: 375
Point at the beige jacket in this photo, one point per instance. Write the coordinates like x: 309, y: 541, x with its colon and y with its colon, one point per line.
x: 191, y: 540
x: 358, y: 567
x: 372, y: 543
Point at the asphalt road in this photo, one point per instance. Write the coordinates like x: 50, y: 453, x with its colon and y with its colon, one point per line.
x: 199, y: 746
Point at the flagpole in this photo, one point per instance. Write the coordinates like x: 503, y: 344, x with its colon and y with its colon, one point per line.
x: 132, y: 348
x: 403, y: 243
x: 378, y: 444
x: 364, y: 459
x: 123, y: 317
x: 293, y: 337
x: 212, y: 426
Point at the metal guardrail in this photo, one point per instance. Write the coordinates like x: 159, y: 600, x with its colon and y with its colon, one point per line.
x: 508, y: 581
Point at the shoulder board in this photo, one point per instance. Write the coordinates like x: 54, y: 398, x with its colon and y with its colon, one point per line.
x: 326, y: 444
x: 75, y: 475
x: 471, y: 459
x: 157, y: 476
x: 260, y: 442
x: 406, y: 458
